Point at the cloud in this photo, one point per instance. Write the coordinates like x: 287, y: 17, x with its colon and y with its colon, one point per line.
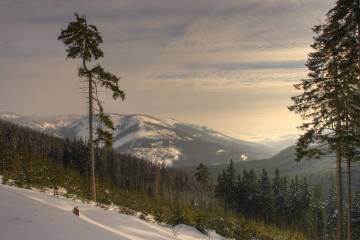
x: 253, y: 24
x: 182, y: 58
x: 233, y: 80
x: 247, y: 65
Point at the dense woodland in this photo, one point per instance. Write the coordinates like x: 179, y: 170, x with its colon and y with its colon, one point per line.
x: 237, y: 205
x: 288, y: 203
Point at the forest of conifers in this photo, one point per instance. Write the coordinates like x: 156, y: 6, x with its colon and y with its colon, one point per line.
x: 238, y: 206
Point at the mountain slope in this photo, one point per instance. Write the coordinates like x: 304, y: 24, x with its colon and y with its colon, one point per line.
x: 318, y: 171
x: 27, y: 214
x: 285, y: 162
x: 170, y: 141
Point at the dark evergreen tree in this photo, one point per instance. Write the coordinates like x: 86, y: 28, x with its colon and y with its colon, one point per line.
x: 202, y: 178
x: 265, y: 206
x: 293, y: 201
x: 251, y: 191
x: 303, y: 205
x: 280, y: 192
x: 241, y: 195
x: 331, y: 213
x: 332, y: 93
x: 82, y: 41
x: 226, y: 187
x: 318, y: 214
x: 202, y: 174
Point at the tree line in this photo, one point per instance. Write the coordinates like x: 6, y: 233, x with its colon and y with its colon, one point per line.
x: 287, y: 203
x: 123, y: 171
x: 33, y: 159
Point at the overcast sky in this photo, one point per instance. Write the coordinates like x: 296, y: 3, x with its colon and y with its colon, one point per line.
x: 227, y: 64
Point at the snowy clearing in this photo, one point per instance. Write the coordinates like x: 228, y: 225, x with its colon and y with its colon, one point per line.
x: 32, y: 215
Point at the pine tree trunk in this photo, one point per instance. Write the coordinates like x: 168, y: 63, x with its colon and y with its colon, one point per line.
x: 339, y: 224
x: 349, y: 228
x: 91, y: 142
x: 339, y: 200
x: 348, y: 168
x: 349, y: 218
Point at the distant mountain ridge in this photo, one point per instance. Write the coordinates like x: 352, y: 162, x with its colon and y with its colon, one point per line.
x: 169, y: 141
x: 317, y: 171
x: 285, y: 162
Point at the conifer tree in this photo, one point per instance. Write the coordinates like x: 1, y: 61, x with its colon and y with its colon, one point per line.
x: 202, y: 174
x: 251, y: 190
x: 303, y: 204
x: 226, y: 187
x: 344, y: 30
x: 265, y: 200
x: 279, y: 197
x: 202, y: 178
x: 293, y: 201
x: 331, y: 213
x: 323, y: 106
x: 82, y: 42
x: 327, y: 103
x: 318, y: 213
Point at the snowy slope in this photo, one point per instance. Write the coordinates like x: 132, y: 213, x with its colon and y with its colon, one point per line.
x: 50, y: 124
x: 27, y: 214
x: 170, y: 141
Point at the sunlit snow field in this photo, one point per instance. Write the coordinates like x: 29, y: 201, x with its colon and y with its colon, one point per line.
x: 32, y: 215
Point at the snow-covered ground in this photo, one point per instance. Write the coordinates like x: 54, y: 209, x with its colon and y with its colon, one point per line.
x: 32, y: 215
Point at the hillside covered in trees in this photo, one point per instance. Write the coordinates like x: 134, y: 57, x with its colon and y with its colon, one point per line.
x: 33, y: 159
x: 247, y: 201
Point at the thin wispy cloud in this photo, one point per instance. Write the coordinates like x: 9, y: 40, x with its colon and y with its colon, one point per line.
x: 247, y: 65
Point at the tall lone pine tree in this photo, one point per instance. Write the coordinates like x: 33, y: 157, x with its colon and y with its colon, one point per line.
x: 82, y: 42
x: 329, y: 103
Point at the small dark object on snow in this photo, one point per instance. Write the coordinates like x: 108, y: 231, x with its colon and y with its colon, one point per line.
x: 76, y: 211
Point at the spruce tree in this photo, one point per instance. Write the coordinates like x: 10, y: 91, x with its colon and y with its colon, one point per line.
x: 321, y: 107
x: 202, y: 178
x: 327, y: 104
x: 226, y: 187
x: 331, y: 213
x: 265, y: 199
x: 251, y: 190
x: 82, y: 42
x: 280, y: 201
x: 241, y: 195
x: 318, y: 213
x: 293, y: 201
x: 202, y: 174
x: 303, y: 204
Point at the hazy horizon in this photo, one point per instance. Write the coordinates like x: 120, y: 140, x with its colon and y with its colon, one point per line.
x: 229, y: 65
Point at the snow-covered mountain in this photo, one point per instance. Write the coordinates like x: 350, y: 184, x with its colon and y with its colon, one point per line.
x: 170, y: 141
